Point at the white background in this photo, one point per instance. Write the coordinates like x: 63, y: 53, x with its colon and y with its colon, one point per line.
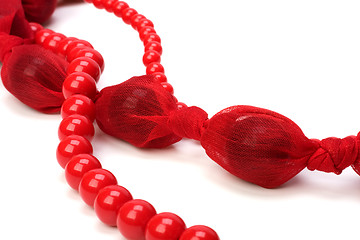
x: 299, y: 58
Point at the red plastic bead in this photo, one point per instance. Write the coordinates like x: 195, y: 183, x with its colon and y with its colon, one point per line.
x: 92, y: 182
x: 85, y: 65
x: 92, y: 54
x: 144, y: 23
x: 165, y: 226
x: 98, y: 4
x: 168, y: 87
x: 77, y: 43
x: 52, y: 41
x: 108, y: 202
x: 127, y: 14
x: 108, y: 5
x: 133, y: 217
x: 35, y: 27
x: 71, y: 146
x: 41, y: 35
x: 151, y: 57
x: 199, y: 232
x: 78, y: 166
x: 78, y: 104
x: 76, y: 125
x: 151, y: 37
x: 119, y: 7
x: 79, y: 83
x: 145, y: 31
x: 136, y: 19
x: 63, y: 45
x: 160, y: 77
x: 154, y: 46
x: 181, y: 105
x: 154, y: 68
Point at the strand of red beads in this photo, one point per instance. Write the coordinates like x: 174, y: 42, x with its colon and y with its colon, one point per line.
x: 114, y: 205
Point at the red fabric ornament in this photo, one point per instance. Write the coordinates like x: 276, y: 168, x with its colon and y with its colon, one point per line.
x: 38, y: 10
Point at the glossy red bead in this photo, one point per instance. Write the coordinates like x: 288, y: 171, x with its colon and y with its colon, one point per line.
x: 92, y: 54
x: 71, y: 55
x: 151, y: 37
x: 127, y: 14
x: 77, y: 43
x: 181, y: 105
x: 52, y: 41
x: 168, y: 87
x: 165, y: 226
x: 133, y: 217
x: 144, y: 23
x: 92, y: 182
x: 78, y: 166
x: 79, y: 83
x: 71, y: 146
x: 160, y: 77
x: 145, y: 31
x: 151, y: 57
x: 85, y: 65
x: 119, y: 7
x: 108, y: 5
x: 108, y: 202
x: 199, y: 232
x: 98, y: 4
x: 154, y: 46
x: 35, y: 27
x: 136, y: 19
x: 76, y: 125
x: 154, y: 68
x: 78, y: 104
x: 41, y: 35
x: 63, y: 45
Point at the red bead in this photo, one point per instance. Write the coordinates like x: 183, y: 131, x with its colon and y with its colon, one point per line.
x: 52, y: 41
x: 168, y: 87
x: 136, y: 19
x: 71, y: 55
x: 133, y: 217
x: 144, y: 23
x: 154, y: 46
x: 151, y: 57
x: 41, y: 35
x: 199, y: 232
x: 78, y: 166
x: 160, y: 77
x: 108, y: 202
x: 98, y: 4
x: 79, y: 83
x: 108, y: 5
x: 78, y: 104
x: 165, y: 226
x: 85, y: 65
x: 181, y: 105
x: 151, y: 37
x: 35, y: 27
x: 71, y: 146
x: 77, y: 43
x: 92, y: 182
x: 92, y: 54
x: 127, y: 14
x: 76, y: 125
x: 145, y: 31
x: 119, y: 7
x: 63, y: 45
x: 154, y: 68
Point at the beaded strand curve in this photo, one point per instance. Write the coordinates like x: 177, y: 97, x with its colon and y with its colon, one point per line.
x: 113, y: 204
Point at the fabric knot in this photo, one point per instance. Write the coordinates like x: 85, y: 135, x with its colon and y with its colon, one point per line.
x: 7, y: 43
x: 334, y: 154
x: 188, y: 122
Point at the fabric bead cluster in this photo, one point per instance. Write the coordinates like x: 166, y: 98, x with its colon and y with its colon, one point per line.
x: 114, y: 205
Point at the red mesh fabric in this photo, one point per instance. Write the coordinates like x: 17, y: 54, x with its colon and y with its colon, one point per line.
x: 35, y: 75
x: 137, y: 111
x: 38, y: 10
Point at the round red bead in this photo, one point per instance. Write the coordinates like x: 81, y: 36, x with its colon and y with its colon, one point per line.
x: 160, y: 77
x: 133, y: 217
x: 181, y: 105
x: 136, y: 19
x: 79, y: 83
x: 35, y: 27
x: 52, y: 41
x: 108, y: 5
x: 119, y: 7
x: 63, y: 45
x: 76, y: 125
x: 127, y: 14
x: 98, y: 4
x: 41, y: 35
x: 108, y: 202
x: 78, y: 166
x: 199, y: 232
x: 168, y: 87
x: 85, y: 65
x: 151, y: 57
x: 165, y: 226
x: 78, y: 104
x: 144, y: 23
x: 151, y: 37
x: 71, y: 146
x: 154, y: 46
x: 145, y: 31
x: 92, y: 182
x: 154, y: 68
x: 92, y: 54
x: 77, y: 43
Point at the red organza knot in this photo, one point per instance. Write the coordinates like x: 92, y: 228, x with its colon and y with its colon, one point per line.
x: 334, y: 154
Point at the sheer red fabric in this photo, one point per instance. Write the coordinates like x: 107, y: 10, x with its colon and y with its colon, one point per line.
x: 38, y: 10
